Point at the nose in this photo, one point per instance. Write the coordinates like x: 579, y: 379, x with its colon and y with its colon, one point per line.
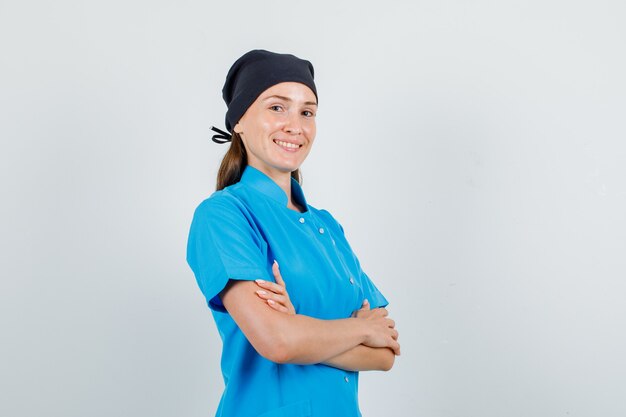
x: 293, y: 125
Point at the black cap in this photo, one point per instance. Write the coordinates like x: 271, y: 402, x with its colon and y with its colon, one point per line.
x: 255, y: 72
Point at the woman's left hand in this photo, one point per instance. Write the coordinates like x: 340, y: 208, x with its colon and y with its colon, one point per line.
x: 275, y: 294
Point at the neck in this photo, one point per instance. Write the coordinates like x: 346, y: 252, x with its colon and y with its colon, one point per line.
x: 281, y: 178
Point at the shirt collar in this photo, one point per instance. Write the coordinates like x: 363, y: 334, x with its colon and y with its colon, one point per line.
x: 261, y: 182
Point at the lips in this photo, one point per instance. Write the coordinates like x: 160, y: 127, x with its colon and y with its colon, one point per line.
x: 287, y: 146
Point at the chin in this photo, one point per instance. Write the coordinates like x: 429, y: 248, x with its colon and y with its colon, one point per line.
x: 287, y: 167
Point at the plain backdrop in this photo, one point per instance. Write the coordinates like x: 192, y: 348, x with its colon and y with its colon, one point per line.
x: 474, y: 152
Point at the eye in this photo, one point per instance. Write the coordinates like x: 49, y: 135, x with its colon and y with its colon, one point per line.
x: 276, y: 107
x: 308, y: 113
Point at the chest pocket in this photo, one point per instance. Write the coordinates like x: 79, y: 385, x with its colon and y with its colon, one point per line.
x: 298, y: 409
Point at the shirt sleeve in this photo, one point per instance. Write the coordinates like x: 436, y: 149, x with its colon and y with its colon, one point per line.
x: 373, y: 295
x: 223, y: 244
x: 370, y: 291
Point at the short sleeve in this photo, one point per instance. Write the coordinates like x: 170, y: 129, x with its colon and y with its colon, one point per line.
x: 370, y: 291
x: 223, y: 245
x: 373, y: 295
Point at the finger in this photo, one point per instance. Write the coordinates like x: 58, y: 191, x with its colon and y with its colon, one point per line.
x: 391, y: 323
x: 395, y: 335
x: 271, y: 286
x: 365, y: 305
x: 264, y: 295
x: 277, y: 306
x: 277, y: 276
x: 395, y: 346
x: 281, y: 299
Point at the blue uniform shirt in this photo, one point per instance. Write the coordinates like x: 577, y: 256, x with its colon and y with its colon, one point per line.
x: 237, y: 233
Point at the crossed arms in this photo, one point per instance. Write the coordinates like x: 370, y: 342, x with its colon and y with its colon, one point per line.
x: 365, y: 341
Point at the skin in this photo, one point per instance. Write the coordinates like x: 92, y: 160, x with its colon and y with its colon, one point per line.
x: 360, y: 358
x: 290, y: 118
x: 365, y: 341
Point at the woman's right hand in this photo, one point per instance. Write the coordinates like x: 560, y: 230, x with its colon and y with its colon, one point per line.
x: 381, y: 330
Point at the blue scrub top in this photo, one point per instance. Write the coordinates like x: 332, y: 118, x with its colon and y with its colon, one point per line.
x: 237, y: 233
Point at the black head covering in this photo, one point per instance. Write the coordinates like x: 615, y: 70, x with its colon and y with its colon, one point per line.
x: 255, y: 72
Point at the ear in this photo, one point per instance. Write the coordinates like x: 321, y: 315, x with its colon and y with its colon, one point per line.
x: 237, y: 128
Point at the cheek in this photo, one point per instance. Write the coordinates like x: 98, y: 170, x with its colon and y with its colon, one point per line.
x: 311, y: 130
x: 266, y: 126
x: 257, y: 133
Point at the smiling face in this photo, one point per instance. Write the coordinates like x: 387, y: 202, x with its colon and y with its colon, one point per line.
x: 278, y: 129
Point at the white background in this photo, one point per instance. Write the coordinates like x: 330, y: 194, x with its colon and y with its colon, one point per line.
x: 474, y: 152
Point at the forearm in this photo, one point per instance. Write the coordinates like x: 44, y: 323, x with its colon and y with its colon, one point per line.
x: 363, y: 358
x: 289, y: 338
x: 300, y: 339
x: 305, y: 340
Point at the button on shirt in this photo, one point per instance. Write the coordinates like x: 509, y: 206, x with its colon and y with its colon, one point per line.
x: 237, y: 233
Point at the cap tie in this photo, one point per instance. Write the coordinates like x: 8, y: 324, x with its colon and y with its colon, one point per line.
x: 221, y: 137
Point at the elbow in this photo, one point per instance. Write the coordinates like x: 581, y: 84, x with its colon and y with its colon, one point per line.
x: 276, y: 352
x: 387, y: 365
x: 280, y: 357
x: 388, y: 361
x: 276, y: 348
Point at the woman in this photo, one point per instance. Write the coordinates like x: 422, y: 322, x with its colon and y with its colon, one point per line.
x: 285, y: 353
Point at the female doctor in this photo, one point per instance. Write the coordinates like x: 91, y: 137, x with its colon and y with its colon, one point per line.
x: 294, y: 338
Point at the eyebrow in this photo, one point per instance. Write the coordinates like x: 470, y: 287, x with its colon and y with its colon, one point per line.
x: 308, y: 103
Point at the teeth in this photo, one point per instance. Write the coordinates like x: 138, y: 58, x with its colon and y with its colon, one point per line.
x: 286, y: 145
